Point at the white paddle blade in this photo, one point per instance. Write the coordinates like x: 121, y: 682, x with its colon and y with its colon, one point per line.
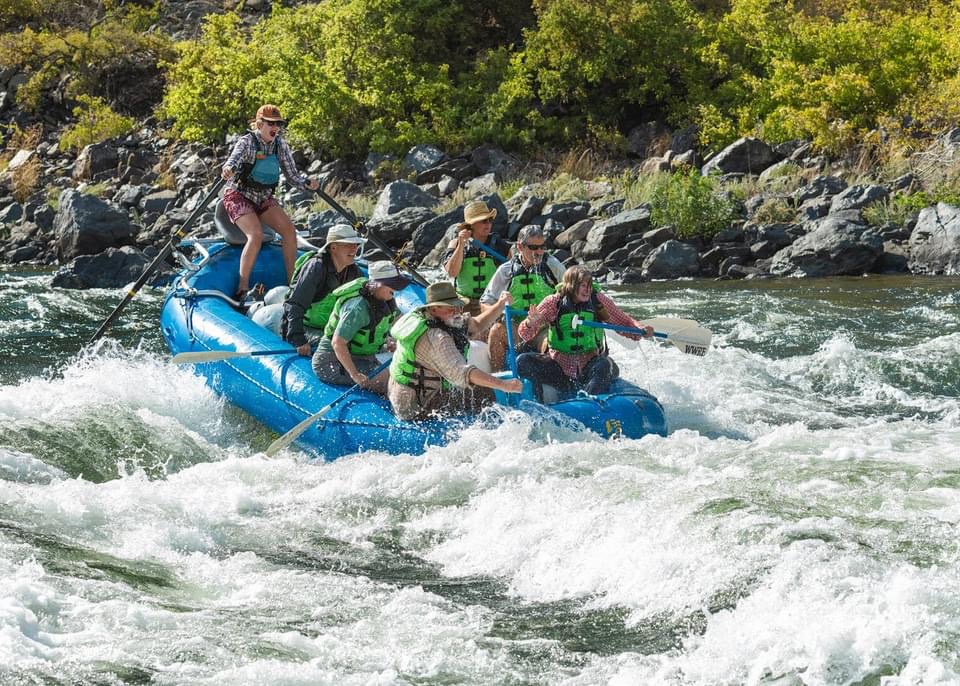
x: 693, y: 340
x: 294, y: 433
x: 207, y: 356
x: 669, y: 324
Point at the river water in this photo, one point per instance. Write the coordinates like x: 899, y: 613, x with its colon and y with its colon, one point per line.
x: 797, y: 526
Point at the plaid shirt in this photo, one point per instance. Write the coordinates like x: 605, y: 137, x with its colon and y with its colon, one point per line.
x: 437, y: 353
x: 245, y: 152
x: 547, y: 310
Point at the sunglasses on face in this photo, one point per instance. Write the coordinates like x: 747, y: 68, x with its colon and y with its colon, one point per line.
x: 539, y: 247
x: 275, y: 124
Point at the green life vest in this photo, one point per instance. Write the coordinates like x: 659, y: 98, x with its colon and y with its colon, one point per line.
x: 318, y: 314
x: 563, y: 338
x: 404, y: 368
x: 475, y: 273
x: 366, y: 341
x: 529, y: 286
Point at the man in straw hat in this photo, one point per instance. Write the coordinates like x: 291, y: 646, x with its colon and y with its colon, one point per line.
x: 466, y: 261
x: 429, y: 373
x: 315, y: 276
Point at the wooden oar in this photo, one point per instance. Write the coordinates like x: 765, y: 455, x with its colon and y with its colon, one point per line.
x: 294, y: 433
x: 693, y: 340
x: 217, y: 355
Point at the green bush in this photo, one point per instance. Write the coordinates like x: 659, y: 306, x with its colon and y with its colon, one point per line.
x: 96, y: 122
x: 588, y: 68
x: 116, y: 57
x: 828, y: 77
x: 689, y: 202
x: 350, y: 75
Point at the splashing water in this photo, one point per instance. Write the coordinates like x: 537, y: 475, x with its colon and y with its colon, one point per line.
x: 797, y: 526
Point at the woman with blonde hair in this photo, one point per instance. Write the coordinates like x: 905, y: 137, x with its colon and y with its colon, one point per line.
x: 576, y: 357
x: 253, y: 171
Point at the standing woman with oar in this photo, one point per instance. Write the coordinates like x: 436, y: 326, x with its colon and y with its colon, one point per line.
x: 253, y: 170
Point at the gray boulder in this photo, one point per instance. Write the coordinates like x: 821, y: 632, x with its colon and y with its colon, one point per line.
x: 11, y: 214
x: 422, y: 157
x: 820, y: 187
x: 400, y: 195
x: 577, y: 232
x: 935, y: 241
x: 490, y: 159
x: 744, y: 156
x: 86, y: 225
x: 158, y: 202
x: 858, y: 197
x: 567, y: 213
x: 396, y: 229
x: 96, y: 161
x: 611, y: 234
x: 431, y: 234
x: 113, y: 268
x: 529, y: 210
x: 482, y: 185
x: 838, y: 246
x: 671, y: 260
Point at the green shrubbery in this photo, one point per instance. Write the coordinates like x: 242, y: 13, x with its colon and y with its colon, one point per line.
x: 385, y: 74
x: 113, y: 56
x: 355, y: 75
x: 96, y: 122
x: 690, y: 204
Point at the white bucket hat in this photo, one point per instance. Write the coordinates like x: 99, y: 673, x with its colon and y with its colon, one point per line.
x: 342, y: 233
x: 385, y: 273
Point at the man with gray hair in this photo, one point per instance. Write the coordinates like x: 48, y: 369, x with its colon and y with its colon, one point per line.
x: 530, y: 277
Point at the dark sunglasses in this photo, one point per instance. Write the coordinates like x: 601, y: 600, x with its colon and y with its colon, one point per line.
x: 278, y: 124
x: 537, y: 246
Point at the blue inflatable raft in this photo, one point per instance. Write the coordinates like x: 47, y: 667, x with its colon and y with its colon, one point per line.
x: 282, y: 390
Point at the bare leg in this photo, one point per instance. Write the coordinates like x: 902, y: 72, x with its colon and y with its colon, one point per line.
x: 276, y: 218
x: 253, y: 230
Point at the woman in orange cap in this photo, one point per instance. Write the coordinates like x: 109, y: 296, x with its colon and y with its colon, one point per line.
x: 253, y: 170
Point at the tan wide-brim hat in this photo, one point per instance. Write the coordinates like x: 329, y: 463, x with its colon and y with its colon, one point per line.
x: 342, y: 233
x: 444, y: 293
x: 477, y: 210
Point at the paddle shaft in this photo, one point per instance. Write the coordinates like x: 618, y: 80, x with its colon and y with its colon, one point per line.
x: 373, y: 236
x: 216, y: 355
x: 690, y: 345
x: 511, y: 351
x: 294, y: 433
x: 161, y: 256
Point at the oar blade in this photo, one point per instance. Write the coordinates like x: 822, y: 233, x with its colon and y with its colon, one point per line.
x: 294, y: 433
x: 692, y: 340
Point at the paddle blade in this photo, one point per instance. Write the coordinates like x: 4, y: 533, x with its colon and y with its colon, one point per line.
x: 692, y: 340
x: 294, y: 433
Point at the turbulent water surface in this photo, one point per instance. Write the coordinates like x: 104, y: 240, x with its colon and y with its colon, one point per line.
x: 797, y: 526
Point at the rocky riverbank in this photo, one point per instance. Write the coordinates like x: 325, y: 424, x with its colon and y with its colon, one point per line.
x: 100, y: 216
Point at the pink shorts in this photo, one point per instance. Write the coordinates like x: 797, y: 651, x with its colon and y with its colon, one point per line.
x: 237, y: 204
